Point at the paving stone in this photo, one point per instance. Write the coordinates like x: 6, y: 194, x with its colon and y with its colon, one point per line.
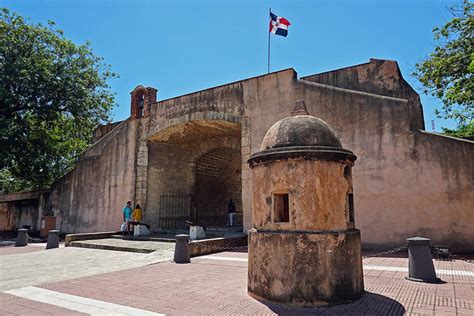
x: 45, y: 266
x: 218, y: 285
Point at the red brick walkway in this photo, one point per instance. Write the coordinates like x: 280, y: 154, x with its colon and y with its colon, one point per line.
x: 217, y: 286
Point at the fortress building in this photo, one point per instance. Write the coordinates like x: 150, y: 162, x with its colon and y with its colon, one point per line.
x: 185, y: 157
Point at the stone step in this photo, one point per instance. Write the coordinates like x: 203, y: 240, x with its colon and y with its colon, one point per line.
x: 124, y: 245
x: 197, y: 247
x: 81, y: 244
x: 144, y: 238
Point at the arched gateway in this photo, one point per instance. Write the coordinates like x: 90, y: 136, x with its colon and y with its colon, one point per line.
x: 191, y: 163
x: 194, y: 168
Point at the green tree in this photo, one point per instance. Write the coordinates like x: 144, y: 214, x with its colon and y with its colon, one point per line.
x: 53, y: 93
x: 463, y: 131
x: 448, y: 71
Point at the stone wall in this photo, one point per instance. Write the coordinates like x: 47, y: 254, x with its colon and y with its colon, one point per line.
x: 14, y: 215
x: 91, y: 197
x: 169, y: 184
x: 317, y: 193
x: 103, y: 130
x: 218, y: 179
x: 22, y: 208
x: 7, y: 217
x: 381, y: 77
x: 267, y: 99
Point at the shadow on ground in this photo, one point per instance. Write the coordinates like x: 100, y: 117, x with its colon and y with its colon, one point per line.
x: 241, y: 249
x: 369, y: 304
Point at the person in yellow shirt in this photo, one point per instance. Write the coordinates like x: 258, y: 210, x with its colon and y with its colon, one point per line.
x: 139, y: 228
x: 137, y: 214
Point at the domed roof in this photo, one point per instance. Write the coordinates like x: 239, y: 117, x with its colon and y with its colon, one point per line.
x: 299, y: 131
x: 300, y: 136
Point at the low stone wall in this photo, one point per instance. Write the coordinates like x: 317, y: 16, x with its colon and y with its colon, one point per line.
x: 88, y: 236
x: 208, y: 246
x: 22, y: 208
x: 196, y: 247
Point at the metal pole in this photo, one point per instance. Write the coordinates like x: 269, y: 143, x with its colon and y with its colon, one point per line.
x: 270, y: 11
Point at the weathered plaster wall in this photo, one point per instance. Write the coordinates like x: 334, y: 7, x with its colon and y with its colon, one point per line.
x: 427, y: 191
x: 317, y: 194
x: 14, y: 215
x: 91, y: 197
x: 219, y: 103
x: 305, y: 269
x: 103, y: 130
x: 7, y: 217
x: 22, y: 208
x: 381, y: 77
x: 267, y: 99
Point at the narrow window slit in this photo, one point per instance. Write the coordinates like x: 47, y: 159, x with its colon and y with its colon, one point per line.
x: 350, y: 202
x: 347, y: 172
x: 281, y: 208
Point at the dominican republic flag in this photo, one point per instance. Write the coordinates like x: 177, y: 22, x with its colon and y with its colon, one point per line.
x: 279, y: 25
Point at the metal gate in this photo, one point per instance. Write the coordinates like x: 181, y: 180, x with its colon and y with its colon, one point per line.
x: 174, y: 210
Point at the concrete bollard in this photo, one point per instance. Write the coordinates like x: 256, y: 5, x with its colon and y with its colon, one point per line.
x: 22, y: 238
x: 53, y: 239
x: 181, y: 250
x: 420, y: 261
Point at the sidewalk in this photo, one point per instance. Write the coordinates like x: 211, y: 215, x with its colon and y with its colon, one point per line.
x: 33, y: 265
x: 216, y: 284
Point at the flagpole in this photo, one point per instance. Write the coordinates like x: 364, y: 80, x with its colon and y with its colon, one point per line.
x: 270, y: 11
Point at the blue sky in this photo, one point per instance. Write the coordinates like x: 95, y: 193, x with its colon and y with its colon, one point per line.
x: 184, y: 46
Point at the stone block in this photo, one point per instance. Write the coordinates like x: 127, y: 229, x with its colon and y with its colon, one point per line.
x: 53, y: 239
x: 420, y: 261
x: 140, y: 230
x: 22, y: 238
x: 245, y: 174
x: 245, y: 141
x: 181, y: 251
x: 142, y: 161
x: 196, y: 232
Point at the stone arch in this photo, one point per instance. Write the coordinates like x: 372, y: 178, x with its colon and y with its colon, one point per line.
x: 160, y: 128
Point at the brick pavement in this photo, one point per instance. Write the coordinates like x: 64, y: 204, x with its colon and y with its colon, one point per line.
x: 216, y: 284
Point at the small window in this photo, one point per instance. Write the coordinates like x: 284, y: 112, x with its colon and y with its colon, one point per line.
x: 141, y: 105
x: 347, y: 172
x: 281, y: 208
x: 350, y: 203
